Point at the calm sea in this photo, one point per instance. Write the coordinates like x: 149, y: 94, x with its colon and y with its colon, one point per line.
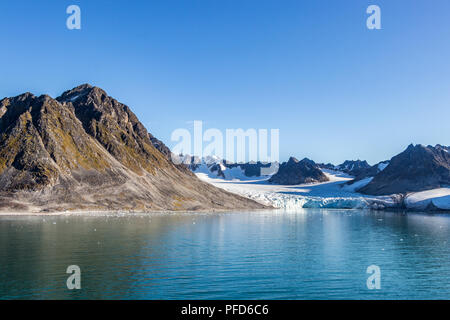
x: 309, y: 254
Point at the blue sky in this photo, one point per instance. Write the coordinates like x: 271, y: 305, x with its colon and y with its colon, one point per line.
x: 312, y: 69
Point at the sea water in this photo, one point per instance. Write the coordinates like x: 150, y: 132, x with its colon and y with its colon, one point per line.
x: 305, y: 254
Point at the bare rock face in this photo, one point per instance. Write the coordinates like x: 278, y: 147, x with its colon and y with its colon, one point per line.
x: 296, y: 172
x: 369, y: 172
x: 418, y: 168
x: 354, y: 167
x: 86, y: 151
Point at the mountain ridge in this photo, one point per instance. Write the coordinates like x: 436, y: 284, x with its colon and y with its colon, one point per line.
x: 295, y: 172
x: 86, y: 151
x: 418, y: 168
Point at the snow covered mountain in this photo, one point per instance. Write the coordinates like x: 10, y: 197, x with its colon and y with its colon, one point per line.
x: 366, y: 175
x: 353, y: 167
x: 424, y: 168
x: 214, y: 167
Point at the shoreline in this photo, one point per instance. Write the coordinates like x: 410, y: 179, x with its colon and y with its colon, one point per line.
x: 331, y: 195
x: 122, y: 212
x: 86, y: 213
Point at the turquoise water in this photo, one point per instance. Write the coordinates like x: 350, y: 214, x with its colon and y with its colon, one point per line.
x: 312, y: 254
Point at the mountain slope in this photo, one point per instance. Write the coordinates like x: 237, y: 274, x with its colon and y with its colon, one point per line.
x: 353, y: 167
x: 85, y: 150
x: 370, y: 172
x: 418, y: 168
x: 295, y: 172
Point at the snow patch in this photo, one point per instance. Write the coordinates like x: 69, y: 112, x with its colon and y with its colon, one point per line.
x: 357, y: 185
x: 439, y: 198
x: 74, y: 98
x: 382, y: 166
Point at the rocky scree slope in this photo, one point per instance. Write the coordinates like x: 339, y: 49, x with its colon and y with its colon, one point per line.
x: 87, y: 151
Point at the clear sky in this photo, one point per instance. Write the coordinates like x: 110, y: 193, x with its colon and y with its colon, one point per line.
x: 312, y: 69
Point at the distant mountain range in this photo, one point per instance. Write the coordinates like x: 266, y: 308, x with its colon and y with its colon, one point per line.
x: 418, y: 168
x: 86, y: 151
x: 356, y: 168
x: 215, y: 167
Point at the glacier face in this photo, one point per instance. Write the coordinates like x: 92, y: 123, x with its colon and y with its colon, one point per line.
x: 436, y: 198
x: 334, y: 194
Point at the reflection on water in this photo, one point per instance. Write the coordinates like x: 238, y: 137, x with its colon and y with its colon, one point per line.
x: 311, y: 254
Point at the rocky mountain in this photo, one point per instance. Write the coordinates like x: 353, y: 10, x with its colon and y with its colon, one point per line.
x: 418, y: 168
x: 370, y: 172
x: 328, y: 166
x: 87, y: 151
x: 353, y: 167
x: 295, y: 172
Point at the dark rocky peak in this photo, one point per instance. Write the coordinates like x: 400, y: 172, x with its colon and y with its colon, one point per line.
x: 24, y: 97
x: 353, y: 167
x: 410, y: 147
x: 419, y: 151
x: 328, y: 166
x: 12, y: 108
x: 19, y: 101
x: 349, y: 164
x: 370, y: 172
x: 116, y: 127
x: 295, y: 172
x: 93, y: 104
x: 89, y: 101
x: 438, y: 146
x: 75, y: 93
x: 417, y: 168
x: 98, y: 112
x: 292, y: 160
x: 305, y: 162
x: 308, y: 162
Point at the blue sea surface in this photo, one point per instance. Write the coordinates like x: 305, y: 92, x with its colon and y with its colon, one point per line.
x: 309, y: 254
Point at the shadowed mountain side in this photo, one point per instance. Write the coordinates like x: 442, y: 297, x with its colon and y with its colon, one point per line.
x: 295, y: 172
x: 86, y: 151
x: 418, y: 168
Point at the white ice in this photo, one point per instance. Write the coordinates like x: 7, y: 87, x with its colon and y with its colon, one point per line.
x: 440, y: 198
x: 331, y: 194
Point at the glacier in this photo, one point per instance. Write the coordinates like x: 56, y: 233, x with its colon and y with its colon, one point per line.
x: 334, y: 194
